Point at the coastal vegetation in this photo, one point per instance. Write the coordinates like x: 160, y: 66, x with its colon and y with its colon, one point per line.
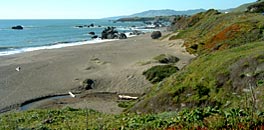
x: 222, y: 88
x: 158, y: 73
x: 256, y: 8
x: 212, y: 30
x: 68, y: 118
x: 166, y: 59
x: 244, y: 7
x: 216, y: 79
x: 228, y: 66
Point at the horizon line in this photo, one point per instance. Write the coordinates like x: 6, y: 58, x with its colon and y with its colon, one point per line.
x: 95, y: 18
x: 52, y: 19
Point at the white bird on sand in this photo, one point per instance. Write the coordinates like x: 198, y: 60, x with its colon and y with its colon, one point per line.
x: 18, y: 68
x: 71, y: 94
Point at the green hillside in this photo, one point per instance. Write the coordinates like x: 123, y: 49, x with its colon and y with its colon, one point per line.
x: 229, y: 47
x: 217, y: 79
x: 243, y: 7
x: 155, y: 13
x: 213, y: 31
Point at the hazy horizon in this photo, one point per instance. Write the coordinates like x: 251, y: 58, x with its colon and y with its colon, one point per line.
x: 83, y: 9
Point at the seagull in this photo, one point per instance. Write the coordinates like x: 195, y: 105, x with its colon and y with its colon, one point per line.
x: 18, y: 69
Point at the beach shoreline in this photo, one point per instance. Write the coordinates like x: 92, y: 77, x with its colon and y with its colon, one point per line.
x: 53, y: 34
x: 115, y: 67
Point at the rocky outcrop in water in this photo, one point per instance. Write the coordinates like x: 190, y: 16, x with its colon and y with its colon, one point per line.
x: 94, y: 37
x: 85, y: 26
x: 91, y: 33
x: 122, y: 36
x: 136, y: 32
x: 79, y: 26
x: 91, y: 25
x: 19, y: 27
x: 111, y: 33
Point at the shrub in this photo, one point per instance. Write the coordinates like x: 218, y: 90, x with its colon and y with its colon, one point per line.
x: 166, y: 59
x: 158, y: 73
x: 126, y: 104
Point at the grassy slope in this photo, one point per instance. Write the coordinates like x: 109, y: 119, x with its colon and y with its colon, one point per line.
x: 229, y: 47
x: 243, y: 7
x: 212, y: 31
x: 203, y: 83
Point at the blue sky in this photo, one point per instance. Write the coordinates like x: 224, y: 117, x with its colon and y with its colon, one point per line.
x: 92, y: 9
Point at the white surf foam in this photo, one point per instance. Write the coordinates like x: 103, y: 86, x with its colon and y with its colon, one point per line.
x: 56, y: 46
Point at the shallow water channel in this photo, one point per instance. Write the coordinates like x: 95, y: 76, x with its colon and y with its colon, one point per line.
x: 38, y: 102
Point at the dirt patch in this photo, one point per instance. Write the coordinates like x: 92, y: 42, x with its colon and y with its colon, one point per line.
x: 247, y: 71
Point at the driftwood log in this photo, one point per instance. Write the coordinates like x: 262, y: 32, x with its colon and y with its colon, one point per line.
x: 126, y: 97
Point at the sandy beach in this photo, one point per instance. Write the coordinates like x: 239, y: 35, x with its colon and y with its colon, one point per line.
x: 115, y: 66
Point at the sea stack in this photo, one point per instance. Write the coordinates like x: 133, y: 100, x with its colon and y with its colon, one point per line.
x: 19, y: 27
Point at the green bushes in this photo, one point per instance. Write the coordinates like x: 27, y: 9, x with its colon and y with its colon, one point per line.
x: 158, y: 73
x: 166, y: 59
x: 207, y: 118
x: 126, y: 104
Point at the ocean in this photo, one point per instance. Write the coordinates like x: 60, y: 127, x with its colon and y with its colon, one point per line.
x: 50, y: 34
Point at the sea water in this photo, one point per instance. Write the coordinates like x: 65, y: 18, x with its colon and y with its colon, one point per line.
x: 50, y: 34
